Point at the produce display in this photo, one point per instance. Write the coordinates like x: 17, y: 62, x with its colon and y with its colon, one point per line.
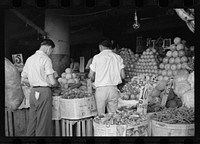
x: 121, y: 117
x: 147, y: 63
x: 128, y: 117
x: 182, y: 115
x: 68, y: 78
x: 75, y: 93
x: 131, y: 90
x: 129, y: 59
x: 175, y: 60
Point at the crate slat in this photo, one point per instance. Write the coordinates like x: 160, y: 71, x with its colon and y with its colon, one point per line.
x: 78, y: 129
x: 83, y: 127
x: 71, y: 124
x: 63, y: 127
x: 67, y: 127
x: 88, y: 127
x: 57, y: 127
x: 10, y: 123
x: 6, y: 123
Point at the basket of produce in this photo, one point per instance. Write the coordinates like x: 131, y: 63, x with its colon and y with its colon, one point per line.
x: 77, y: 104
x: 173, y: 122
x: 130, y: 92
x: 125, y: 122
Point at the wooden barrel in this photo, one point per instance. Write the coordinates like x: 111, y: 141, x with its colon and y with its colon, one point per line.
x: 164, y: 129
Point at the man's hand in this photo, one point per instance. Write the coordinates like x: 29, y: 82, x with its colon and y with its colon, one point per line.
x: 25, y: 81
x: 91, y: 75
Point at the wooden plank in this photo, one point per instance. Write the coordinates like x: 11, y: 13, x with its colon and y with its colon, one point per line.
x: 83, y: 127
x: 57, y: 127
x: 63, y: 127
x: 78, y: 129
x: 10, y: 123
x: 6, y: 123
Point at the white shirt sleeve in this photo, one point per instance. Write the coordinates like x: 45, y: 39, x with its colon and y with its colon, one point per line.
x: 93, y: 64
x: 24, y: 73
x: 48, y: 67
x: 121, y: 64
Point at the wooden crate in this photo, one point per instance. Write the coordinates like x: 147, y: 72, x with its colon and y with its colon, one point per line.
x: 9, y: 123
x: 81, y: 127
x: 16, y: 122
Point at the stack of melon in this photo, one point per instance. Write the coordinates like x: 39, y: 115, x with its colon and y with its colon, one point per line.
x: 67, y: 78
x: 129, y: 59
x: 147, y: 63
x: 175, y: 60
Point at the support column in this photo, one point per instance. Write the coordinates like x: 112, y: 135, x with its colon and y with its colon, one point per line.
x: 57, y: 28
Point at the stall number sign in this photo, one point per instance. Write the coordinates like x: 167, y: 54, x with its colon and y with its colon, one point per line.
x: 17, y: 59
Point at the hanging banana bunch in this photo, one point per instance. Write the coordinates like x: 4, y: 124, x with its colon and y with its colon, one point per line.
x: 188, y: 17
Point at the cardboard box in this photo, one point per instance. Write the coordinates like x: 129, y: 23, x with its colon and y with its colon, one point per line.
x: 78, y: 108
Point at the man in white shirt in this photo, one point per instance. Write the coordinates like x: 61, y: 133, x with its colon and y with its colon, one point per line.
x: 74, y: 66
x: 39, y: 74
x: 107, y: 71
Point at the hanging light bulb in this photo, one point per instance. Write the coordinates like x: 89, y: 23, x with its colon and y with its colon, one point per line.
x: 136, y: 24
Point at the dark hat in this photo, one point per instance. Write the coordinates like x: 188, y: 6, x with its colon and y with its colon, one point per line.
x: 106, y: 43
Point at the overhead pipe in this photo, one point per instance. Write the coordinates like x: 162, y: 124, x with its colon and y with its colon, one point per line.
x: 29, y: 22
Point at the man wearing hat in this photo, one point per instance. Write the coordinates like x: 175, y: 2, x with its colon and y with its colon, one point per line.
x: 107, y: 71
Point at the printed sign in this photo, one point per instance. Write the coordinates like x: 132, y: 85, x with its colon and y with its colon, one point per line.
x: 17, y: 59
x: 82, y: 64
x: 143, y: 100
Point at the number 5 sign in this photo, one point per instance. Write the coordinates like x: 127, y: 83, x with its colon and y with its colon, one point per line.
x: 17, y: 59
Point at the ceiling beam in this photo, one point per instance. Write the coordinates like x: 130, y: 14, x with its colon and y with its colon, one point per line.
x: 29, y: 22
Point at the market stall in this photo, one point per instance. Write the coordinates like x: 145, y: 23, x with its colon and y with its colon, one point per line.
x: 156, y: 97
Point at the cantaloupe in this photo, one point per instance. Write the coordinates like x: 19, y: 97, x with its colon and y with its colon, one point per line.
x: 68, y: 70
x: 74, y: 75
x: 68, y: 76
x: 177, y: 40
x: 63, y: 75
x: 71, y: 81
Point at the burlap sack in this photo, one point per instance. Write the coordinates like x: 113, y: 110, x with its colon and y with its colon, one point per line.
x: 13, y: 90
